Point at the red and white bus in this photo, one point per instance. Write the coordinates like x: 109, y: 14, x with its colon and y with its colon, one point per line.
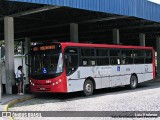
x: 70, y: 67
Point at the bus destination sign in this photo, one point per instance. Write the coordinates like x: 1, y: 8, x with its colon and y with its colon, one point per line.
x: 42, y: 48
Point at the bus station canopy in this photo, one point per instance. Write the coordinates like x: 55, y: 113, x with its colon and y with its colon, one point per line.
x: 43, y: 20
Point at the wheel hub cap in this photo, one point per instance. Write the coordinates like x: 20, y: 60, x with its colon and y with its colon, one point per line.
x: 88, y: 88
x: 133, y: 82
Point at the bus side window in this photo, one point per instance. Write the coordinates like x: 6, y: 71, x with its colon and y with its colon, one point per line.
x: 127, y: 56
x: 112, y: 61
x: 92, y: 62
x: 139, y: 56
x: 148, y: 56
x: 88, y: 57
x: 71, y: 60
x: 85, y: 62
x: 115, y: 61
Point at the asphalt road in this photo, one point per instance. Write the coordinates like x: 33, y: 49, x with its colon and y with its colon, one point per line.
x: 145, y: 98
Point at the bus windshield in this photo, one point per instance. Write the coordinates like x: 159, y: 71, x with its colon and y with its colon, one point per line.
x: 46, y: 63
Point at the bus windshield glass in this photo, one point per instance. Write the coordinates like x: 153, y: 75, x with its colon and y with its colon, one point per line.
x: 46, y: 63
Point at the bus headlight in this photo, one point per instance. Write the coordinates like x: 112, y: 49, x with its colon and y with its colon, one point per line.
x: 31, y: 83
x: 56, y: 83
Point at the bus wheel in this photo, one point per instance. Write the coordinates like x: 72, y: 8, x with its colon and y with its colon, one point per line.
x: 88, y: 87
x: 133, y: 82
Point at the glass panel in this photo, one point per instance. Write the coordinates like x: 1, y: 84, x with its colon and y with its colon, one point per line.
x: 115, y: 61
x: 71, y: 63
x: 127, y: 53
x: 138, y: 53
x: 46, y: 63
x: 148, y: 53
x: 102, y: 52
x: 148, y: 60
x: 88, y: 61
x: 127, y: 60
x: 71, y: 60
x: 87, y: 52
x: 103, y: 61
x: 139, y: 60
x: 115, y: 53
x: 71, y: 51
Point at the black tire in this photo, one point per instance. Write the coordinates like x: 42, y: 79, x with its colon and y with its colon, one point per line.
x: 88, y: 87
x: 133, y: 82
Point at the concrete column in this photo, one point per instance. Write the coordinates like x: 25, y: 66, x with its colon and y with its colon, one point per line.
x: 27, y: 45
x: 142, y: 39
x: 158, y: 56
x: 116, y: 38
x: 9, y: 48
x: 0, y: 78
x: 27, y: 50
x: 74, y: 32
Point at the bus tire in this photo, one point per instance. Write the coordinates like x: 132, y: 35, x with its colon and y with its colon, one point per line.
x: 133, y: 82
x: 88, y: 87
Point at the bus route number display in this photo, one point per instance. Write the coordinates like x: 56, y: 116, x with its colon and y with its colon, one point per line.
x: 51, y: 47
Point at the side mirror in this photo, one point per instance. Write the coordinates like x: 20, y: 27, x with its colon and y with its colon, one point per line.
x: 27, y: 59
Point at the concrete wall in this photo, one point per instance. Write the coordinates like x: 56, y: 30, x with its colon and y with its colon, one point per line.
x: 18, y: 60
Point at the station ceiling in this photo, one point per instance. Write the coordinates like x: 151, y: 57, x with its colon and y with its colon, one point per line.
x: 42, y: 22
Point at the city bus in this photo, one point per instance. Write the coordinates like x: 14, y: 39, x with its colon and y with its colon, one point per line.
x: 70, y: 67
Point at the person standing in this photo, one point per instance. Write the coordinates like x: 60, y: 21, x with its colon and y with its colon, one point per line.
x: 19, y: 76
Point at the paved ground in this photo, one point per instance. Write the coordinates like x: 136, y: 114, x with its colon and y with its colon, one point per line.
x: 145, y: 98
x: 9, y: 99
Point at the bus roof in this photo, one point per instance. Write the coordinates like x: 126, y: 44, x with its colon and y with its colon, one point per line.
x: 103, y: 45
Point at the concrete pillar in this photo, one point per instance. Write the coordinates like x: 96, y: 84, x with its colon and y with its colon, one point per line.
x: 158, y: 56
x: 74, y: 32
x: 27, y: 50
x: 27, y: 45
x: 142, y: 39
x: 116, y: 38
x: 0, y: 78
x: 9, y: 56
